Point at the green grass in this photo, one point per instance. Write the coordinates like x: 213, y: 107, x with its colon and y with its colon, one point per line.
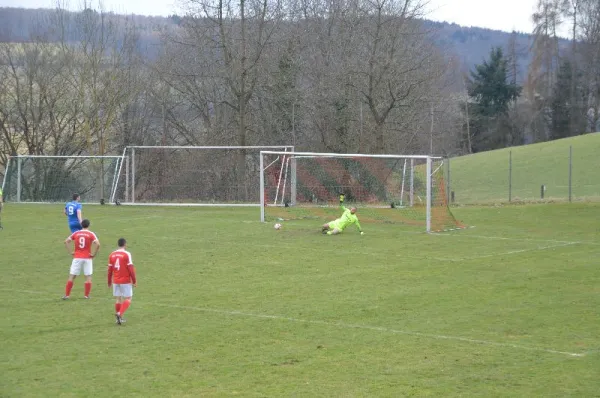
x: 484, y: 177
x: 227, y: 306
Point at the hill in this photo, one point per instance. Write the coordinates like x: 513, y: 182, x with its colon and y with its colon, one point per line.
x: 468, y: 45
x: 484, y: 177
x: 472, y: 45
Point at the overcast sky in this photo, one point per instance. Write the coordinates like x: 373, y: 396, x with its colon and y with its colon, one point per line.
x: 503, y: 15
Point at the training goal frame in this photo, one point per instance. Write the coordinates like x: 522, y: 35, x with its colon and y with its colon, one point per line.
x: 20, y: 159
x: 128, y: 170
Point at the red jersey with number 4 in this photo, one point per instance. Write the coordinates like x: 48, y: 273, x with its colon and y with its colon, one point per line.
x: 120, y: 267
x: 83, y: 243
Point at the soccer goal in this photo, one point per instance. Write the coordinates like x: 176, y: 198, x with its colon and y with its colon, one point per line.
x: 48, y: 179
x: 386, y: 188
x: 190, y: 175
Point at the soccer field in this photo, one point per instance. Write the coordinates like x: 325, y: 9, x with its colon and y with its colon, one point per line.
x: 228, y: 306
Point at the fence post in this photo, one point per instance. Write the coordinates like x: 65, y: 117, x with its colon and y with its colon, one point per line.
x: 18, y: 178
x: 570, y: 170
x: 509, y: 176
x: 126, y: 179
x: 132, y: 175
x: 448, y: 183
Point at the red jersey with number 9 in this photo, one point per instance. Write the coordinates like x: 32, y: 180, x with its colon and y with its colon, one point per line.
x: 83, y: 243
x: 119, y: 261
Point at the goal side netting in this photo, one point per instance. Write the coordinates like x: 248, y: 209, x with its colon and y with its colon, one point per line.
x: 51, y: 179
x: 385, y: 188
x: 190, y: 175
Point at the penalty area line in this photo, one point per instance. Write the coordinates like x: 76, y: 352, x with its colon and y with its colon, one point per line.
x: 517, y: 239
x: 342, y: 325
x: 387, y: 255
x: 533, y: 249
x: 372, y: 328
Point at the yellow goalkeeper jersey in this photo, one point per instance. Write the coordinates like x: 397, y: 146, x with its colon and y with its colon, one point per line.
x: 347, y: 218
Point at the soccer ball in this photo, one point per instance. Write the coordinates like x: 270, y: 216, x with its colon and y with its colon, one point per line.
x: 277, y: 226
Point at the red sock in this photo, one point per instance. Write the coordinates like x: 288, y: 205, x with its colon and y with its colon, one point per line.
x: 124, y: 305
x: 117, y: 307
x: 68, y: 288
x: 88, y: 288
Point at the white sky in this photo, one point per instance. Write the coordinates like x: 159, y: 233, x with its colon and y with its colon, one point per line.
x: 503, y: 15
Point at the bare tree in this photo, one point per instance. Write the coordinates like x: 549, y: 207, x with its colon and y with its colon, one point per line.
x: 32, y: 108
x: 98, y: 69
x: 60, y: 97
x: 543, y: 69
x: 370, y: 72
x: 589, y: 48
x: 547, y: 20
x: 326, y: 31
x: 34, y: 118
x: 190, y: 94
x: 224, y: 47
x: 399, y: 68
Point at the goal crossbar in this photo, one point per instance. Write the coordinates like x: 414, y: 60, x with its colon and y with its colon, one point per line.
x: 347, y: 155
x: 209, y: 147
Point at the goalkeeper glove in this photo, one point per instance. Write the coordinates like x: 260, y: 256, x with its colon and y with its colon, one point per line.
x: 342, y: 198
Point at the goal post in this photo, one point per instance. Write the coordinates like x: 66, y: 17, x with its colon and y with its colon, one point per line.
x: 51, y: 179
x: 190, y: 175
x: 406, y: 189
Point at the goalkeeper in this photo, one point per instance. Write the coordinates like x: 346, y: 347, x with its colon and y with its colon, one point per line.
x: 348, y: 217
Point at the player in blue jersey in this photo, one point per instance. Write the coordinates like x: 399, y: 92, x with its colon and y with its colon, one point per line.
x: 74, y: 213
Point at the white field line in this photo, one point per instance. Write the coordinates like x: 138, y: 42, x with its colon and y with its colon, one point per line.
x: 512, y: 252
x: 458, y: 259
x: 344, y: 325
x: 341, y: 325
x: 404, y: 255
x: 282, y: 245
x: 517, y: 239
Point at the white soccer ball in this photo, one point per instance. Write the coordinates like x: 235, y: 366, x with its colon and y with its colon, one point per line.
x: 277, y: 226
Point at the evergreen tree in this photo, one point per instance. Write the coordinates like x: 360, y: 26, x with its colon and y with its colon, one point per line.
x: 491, y: 94
x: 568, y: 103
x: 561, y: 103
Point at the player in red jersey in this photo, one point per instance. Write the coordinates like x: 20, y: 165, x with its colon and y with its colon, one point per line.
x: 121, y: 276
x: 86, y: 246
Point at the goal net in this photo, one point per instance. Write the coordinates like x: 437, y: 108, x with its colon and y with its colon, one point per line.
x: 191, y: 175
x: 40, y: 178
x: 385, y: 188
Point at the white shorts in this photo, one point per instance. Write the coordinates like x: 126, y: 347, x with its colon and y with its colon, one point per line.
x: 79, y: 263
x: 122, y: 290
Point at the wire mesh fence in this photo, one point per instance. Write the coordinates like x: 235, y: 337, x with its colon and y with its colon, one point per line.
x: 525, y: 174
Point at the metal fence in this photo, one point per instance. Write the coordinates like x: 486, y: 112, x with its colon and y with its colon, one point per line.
x: 524, y: 175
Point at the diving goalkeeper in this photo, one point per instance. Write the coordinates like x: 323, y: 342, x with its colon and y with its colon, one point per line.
x: 348, y: 217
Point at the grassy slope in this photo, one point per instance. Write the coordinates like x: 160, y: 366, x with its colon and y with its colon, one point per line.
x: 483, y: 177
x: 226, y: 306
